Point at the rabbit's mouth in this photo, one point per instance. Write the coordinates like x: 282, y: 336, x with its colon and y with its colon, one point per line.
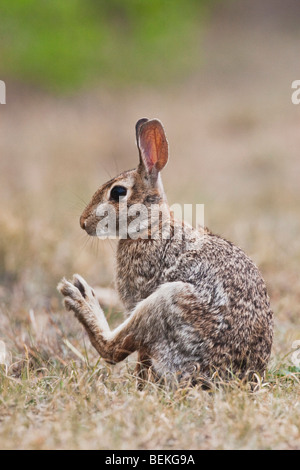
x: 100, y: 226
x: 89, y: 224
x: 82, y: 222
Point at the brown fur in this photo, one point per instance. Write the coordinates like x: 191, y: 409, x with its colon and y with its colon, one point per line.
x: 195, y: 304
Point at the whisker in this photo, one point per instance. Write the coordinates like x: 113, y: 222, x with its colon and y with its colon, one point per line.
x: 80, y: 199
x: 115, y: 160
x: 76, y: 204
x: 85, y: 241
x: 104, y: 167
x: 97, y: 247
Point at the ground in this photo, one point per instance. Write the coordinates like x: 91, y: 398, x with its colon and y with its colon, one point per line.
x: 234, y: 140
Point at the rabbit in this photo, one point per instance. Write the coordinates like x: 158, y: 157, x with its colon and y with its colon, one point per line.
x: 195, y: 305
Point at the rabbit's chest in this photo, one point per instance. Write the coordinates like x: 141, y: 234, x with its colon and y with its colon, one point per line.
x: 136, y: 280
x: 138, y: 275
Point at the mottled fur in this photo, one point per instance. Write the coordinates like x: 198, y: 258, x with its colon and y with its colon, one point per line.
x: 195, y: 304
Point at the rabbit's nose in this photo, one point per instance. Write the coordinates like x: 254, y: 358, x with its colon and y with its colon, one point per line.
x: 82, y: 222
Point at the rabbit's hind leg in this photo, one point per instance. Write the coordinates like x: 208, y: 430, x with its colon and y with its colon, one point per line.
x: 157, y: 326
x: 143, y: 370
x: 81, y: 299
x: 164, y: 330
x: 191, y: 376
x: 113, y: 346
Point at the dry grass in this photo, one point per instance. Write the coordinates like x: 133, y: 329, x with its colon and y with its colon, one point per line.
x: 53, y: 399
x: 234, y: 138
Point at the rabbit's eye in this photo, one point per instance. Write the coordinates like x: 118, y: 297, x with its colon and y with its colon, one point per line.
x: 117, y: 192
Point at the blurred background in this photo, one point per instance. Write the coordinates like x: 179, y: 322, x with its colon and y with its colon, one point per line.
x: 80, y: 74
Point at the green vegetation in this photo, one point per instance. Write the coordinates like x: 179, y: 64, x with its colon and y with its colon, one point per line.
x: 63, y: 45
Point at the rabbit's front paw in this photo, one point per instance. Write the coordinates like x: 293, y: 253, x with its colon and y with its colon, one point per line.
x: 79, y: 296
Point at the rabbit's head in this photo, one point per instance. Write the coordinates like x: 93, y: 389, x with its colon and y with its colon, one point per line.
x: 121, y: 207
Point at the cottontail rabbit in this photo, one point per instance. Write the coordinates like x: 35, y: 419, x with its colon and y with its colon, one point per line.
x: 195, y: 303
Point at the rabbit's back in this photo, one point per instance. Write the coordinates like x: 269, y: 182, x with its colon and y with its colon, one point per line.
x: 226, y: 303
x: 233, y: 312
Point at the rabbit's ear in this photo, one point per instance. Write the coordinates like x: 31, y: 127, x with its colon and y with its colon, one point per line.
x: 152, y: 144
x: 138, y: 127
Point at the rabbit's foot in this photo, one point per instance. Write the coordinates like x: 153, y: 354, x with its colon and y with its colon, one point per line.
x: 81, y: 299
x: 192, y: 376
